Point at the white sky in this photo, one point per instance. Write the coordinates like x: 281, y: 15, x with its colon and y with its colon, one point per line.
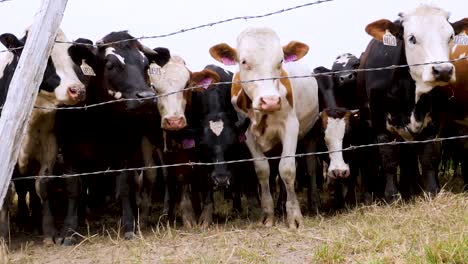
x: 329, y: 28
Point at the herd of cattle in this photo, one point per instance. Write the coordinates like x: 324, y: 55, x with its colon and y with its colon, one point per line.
x: 151, y: 123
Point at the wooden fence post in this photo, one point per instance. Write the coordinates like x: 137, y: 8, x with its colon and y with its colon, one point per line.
x: 25, y: 85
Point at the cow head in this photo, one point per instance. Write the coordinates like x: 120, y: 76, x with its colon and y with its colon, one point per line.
x: 336, y: 126
x: 344, y: 62
x: 170, y: 76
x: 122, y: 70
x: 221, y: 129
x: 426, y: 34
x: 260, y: 55
x: 61, y: 80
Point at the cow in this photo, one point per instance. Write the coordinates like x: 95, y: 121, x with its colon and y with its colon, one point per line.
x: 404, y: 103
x: 341, y: 127
x: 456, y: 114
x: 220, y: 133
x: 63, y: 83
x: 169, y: 140
x: 109, y: 136
x: 281, y: 111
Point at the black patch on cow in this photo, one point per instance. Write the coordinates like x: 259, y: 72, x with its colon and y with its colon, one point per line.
x: 51, y: 79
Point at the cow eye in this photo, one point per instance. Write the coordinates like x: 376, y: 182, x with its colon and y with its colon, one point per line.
x: 243, y: 62
x: 412, y: 39
x: 451, y: 38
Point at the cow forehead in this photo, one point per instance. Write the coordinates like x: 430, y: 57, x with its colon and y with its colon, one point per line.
x: 259, y: 43
x: 336, y: 128
x: 112, y: 51
x: 426, y: 20
x: 172, y: 75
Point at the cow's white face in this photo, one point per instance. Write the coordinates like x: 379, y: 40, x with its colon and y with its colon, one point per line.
x: 260, y: 55
x: 427, y: 34
x: 172, y: 77
x: 334, y: 135
x: 70, y: 90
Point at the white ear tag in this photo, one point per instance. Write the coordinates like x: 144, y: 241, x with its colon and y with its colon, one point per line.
x: 154, y: 69
x: 460, y: 39
x: 217, y: 127
x: 389, y: 39
x: 86, y: 69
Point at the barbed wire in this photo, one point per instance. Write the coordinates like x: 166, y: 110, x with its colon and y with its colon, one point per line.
x: 298, y: 155
x: 284, y: 10
x: 313, y: 75
x: 2, y: 1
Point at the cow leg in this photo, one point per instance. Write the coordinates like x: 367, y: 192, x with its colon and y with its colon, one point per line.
x: 287, y: 171
x: 4, y: 213
x: 409, y: 171
x: 389, y: 159
x: 186, y: 207
x: 146, y: 185
x: 22, y: 216
x: 126, y: 195
x: 262, y: 168
x: 73, y: 188
x: 313, y: 170
x: 48, y: 221
x: 429, y: 157
x: 206, y: 217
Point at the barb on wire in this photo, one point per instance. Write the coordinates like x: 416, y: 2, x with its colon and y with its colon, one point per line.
x: 195, y: 27
x: 391, y: 67
x: 2, y: 1
x: 243, y: 160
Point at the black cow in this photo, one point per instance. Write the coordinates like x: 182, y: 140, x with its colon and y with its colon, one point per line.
x: 404, y: 103
x: 109, y: 136
x: 219, y: 137
x: 341, y: 127
x: 62, y: 83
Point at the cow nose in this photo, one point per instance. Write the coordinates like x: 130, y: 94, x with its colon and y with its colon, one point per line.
x: 77, y: 92
x: 442, y: 73
x: 340, y: 173
x: 146, y: 94
x: 346, y: 77
x: 174, y: 123
x: 270, y: 103
x: 222, y: 180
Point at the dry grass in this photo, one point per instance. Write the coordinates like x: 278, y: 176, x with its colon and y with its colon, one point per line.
x: 425, y: 231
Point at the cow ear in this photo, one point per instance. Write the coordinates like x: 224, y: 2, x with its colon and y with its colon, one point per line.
x: 204, y: 79
x: 378, y: 28
x: 224, y: 54
x: 158, y: 55
x: 460, y: 26
x: 78, y: 52
x: 11, y: 42
x: 239, y: 99
x: 294, y: 51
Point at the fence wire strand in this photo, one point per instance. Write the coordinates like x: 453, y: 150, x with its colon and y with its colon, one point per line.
x: 313, y: 75
x: 284, y: 10
x: 298, y: 155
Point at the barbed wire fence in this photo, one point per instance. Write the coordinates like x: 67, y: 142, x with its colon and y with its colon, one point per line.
x: 312, y: 75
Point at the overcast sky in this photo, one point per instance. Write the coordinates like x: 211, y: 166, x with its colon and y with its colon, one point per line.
x: 329, y: 28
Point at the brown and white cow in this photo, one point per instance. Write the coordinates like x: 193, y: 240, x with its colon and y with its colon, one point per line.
x: 281, y: 111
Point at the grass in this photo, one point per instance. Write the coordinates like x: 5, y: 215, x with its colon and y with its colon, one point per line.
x: 423, y: 231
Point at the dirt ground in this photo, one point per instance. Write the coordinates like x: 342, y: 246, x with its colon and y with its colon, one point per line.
x: 421, y: 231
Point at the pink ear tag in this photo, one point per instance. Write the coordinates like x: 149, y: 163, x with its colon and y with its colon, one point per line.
x: 290, y: 58
x: 188, y: 143
x: 227, y: 61
x: 205, y: 83
x: 242, y: 138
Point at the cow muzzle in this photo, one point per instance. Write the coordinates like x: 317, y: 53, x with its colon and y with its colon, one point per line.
x: 270, y: 103
x: 338, y: 174
x: 443, y: 72
x: 77, y: 92
x: 346, y: 78
x: 222, y: 180
x: 174, y: 123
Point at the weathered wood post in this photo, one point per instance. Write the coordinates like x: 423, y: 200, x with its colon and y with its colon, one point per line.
x: 24, y: 86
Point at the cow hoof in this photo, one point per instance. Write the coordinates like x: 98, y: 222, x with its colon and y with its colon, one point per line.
x: 189, y: 222
x: 129, y: 235
x: 48, y: 241
x: 205, y: 220
x: 295, y: 222
x: 69, y: 241
x: 268, y: 221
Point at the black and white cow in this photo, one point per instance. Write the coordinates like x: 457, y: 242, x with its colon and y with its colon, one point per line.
x: 220, y: 135
x: 109, y: 136
x: 404, y: 103
x: 62, y: 84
